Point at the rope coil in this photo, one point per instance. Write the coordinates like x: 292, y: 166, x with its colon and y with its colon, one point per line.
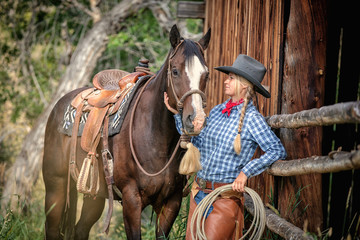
x: 203, y: 207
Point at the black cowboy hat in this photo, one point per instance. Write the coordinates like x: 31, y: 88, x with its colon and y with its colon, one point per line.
x: 250, y: 69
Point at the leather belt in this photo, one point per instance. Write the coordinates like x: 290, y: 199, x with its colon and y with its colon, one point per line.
x: 208, y: 186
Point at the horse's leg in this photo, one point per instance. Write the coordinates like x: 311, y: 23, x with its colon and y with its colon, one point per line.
x: 166, y: 215
x: 90, y: 213
x: 54, y: 207
x: 55, y: 199
x: 68, y: 223
x: 132, y: 208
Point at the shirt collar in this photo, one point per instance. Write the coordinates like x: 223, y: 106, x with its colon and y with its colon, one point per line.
x: 238, y: 107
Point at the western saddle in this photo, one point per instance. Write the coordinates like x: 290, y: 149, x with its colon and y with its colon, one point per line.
x: 101, y: 101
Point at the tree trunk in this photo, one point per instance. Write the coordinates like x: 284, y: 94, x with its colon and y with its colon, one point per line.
x: 25, y: 171
x: 300, y: 197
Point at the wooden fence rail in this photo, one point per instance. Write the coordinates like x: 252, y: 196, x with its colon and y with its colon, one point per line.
x: 336, y: 161
x: 348, y: 112
x: 276, y: 223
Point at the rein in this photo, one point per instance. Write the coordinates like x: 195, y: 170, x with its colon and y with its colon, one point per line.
x: 131, y: 138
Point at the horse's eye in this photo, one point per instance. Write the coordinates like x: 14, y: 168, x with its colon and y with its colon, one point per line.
x: 175, y: 72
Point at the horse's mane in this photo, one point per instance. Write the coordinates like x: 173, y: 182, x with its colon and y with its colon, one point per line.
x: 191, y: 49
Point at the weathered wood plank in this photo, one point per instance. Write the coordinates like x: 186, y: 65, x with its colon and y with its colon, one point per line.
x: 188, y: 9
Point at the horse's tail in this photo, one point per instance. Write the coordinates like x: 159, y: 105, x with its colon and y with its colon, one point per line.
x: 67, y: 228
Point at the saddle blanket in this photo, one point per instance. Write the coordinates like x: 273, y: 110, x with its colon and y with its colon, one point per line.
x: 115, y: 120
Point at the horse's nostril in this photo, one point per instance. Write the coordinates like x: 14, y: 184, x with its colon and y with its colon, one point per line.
x: 189, y: 123
x: 191, y: 118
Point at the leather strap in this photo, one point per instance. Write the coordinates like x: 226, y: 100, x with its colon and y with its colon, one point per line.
x: 73, y: 171
x: 92, y: 128
x: 108, y: 173
x: 131, y: 138
x: 207, y: 186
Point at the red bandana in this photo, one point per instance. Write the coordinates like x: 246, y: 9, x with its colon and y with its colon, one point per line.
x: 230, y: 104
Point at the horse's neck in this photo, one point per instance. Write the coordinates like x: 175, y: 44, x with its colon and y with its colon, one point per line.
x: 160, y: 117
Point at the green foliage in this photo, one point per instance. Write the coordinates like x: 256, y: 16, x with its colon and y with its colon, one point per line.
x: 148, y: 218
x: 194, y: 25
x: 20, y: 224
x: 294, y: 202
x: 7, y: 89
x: 37, y: 40
x: 140, y: 37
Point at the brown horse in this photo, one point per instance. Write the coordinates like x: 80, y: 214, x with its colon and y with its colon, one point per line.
x: 183, y: 76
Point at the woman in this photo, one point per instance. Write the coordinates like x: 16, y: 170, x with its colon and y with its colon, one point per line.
x: 234, y: 130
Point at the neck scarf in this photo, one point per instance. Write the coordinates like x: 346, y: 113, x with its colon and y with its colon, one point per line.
x: 230, y: 104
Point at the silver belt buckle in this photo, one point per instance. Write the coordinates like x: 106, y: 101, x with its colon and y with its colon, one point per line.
x: 201, y: 183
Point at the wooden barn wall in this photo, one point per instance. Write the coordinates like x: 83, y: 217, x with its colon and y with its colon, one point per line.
x: 250, y: 28
x: 257, y: 28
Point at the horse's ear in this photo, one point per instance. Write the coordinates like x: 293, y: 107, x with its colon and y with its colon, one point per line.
x: 204, y: 41
x: 174, y: 36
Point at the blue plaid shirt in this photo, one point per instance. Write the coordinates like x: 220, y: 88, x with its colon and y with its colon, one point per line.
x: 218, y: 159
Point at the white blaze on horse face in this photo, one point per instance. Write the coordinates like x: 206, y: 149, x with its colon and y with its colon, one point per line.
x: 194, y: 72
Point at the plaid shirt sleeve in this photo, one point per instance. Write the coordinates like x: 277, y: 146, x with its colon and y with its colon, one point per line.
x: 268, y: 142
x: 196, y: 140
x: 178, y: 123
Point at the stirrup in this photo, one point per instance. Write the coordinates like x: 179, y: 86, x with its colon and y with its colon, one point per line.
x: 89, y: 167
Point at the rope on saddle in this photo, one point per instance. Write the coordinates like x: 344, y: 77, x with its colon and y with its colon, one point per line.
x: 203, y: 207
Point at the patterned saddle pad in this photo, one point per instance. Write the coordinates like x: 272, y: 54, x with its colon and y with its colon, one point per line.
x: 115, y: 120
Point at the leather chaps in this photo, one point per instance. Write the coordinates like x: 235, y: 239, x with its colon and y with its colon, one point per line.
x: 226, y: 221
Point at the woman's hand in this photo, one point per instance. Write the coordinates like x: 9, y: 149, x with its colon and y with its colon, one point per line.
x: 239, y: 183
x: 166, y: 101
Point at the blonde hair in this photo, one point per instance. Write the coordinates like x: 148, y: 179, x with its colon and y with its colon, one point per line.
x: 250, y: 94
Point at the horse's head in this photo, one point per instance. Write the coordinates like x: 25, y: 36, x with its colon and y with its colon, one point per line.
x: 187, y: 77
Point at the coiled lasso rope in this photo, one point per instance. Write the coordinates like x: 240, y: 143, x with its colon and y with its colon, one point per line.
x: 205, y: 204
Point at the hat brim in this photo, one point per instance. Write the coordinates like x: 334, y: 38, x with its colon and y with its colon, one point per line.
x: 257, y: 85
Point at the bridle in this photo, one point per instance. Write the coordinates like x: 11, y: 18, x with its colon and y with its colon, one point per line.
x: 180, y: 102
x: 180, y: 105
